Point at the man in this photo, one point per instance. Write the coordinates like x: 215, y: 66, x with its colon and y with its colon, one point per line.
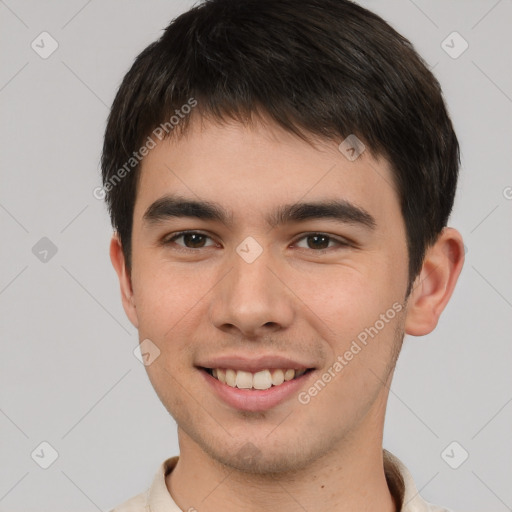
x: 279, y: 176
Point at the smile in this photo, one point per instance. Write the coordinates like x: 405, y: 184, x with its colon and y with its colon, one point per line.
x: 261, y: 380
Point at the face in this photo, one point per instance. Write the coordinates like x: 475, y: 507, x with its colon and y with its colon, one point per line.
x: 255, y: 251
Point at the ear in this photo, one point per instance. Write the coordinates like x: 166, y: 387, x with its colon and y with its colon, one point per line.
x: 434, y: 285
x: 119, y: 263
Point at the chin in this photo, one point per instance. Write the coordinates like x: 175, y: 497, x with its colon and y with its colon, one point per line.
x: 266, y: 457
x: 250, y: 459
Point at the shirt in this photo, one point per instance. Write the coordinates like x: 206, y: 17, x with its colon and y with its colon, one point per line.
x: 400, y: 483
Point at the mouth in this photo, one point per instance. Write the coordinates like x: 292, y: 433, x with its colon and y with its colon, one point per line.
x: 260, y: 380
x: 255, y: 384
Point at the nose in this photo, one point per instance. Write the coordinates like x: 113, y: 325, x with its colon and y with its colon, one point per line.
x: 253, y: 299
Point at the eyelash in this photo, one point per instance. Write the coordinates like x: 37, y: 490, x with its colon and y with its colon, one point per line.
x: 341, y: 243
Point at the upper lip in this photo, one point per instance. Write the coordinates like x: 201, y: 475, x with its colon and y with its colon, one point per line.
x: 254, y: 364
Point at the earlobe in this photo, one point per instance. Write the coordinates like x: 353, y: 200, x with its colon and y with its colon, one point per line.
x: 434, y: 285
x: 119, y: 264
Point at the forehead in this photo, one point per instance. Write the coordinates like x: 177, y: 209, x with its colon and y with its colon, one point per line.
x: 250, y: 169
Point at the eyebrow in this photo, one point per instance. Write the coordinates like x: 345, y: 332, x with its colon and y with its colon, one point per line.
x: 340, y: 210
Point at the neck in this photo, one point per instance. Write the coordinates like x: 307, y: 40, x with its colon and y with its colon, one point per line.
x: 348, y: 478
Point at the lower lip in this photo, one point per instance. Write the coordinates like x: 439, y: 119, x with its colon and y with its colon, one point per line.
x: 255, y: 400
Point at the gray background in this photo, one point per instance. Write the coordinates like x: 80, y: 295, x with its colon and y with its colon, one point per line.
x: 67, y: 369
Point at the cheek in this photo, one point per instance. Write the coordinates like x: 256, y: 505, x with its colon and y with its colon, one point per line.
x: 348, y: 299
x: 164, y: 298
x: 357, y: 313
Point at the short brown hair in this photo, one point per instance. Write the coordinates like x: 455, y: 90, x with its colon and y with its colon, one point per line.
x: 324, y: 67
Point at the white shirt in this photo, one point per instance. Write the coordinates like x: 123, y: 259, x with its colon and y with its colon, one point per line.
x: 400, y: 482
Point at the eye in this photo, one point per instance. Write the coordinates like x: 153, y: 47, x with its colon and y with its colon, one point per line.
x: 320, y: 242
x: 190, y: 240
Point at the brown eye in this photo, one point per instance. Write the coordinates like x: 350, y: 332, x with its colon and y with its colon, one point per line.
x: 190, y: 240
x: 193, y: 240
x: 320, y: 242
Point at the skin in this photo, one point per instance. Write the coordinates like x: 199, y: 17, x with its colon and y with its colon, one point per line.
x: 294, y: 300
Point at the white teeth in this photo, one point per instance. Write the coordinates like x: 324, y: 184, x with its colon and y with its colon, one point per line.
x: 263, y: 379
x: 277, y: 377
x: 221, y: 375
x: 243, y: 380
x: 289, y: 374
x: 231, y: 378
